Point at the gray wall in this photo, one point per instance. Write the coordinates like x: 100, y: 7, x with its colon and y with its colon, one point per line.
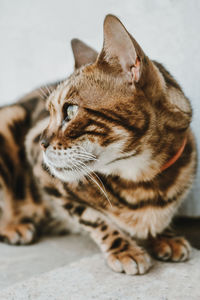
x: 35, y: 46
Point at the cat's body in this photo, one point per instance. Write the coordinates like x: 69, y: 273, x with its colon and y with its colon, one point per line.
x: 126, y: 119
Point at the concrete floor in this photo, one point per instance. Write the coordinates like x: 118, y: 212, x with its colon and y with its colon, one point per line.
x: 71, y: 267
x: 89, y: 278
x: 19, y: 263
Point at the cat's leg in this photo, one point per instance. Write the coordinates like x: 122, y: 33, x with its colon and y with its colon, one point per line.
x: 21, y: 209
x: 122, y: 253
x: 170, y: 247
x: 17, y: 234
x: 19, y: 222
x: 21, y: 206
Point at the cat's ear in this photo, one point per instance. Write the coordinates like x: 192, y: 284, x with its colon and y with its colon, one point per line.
x: 83, y: 54
x: 120, y: 52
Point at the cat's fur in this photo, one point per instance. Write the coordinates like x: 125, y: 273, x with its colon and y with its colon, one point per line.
x: 132, y: 119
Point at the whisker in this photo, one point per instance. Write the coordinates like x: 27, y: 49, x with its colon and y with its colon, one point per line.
x: 102, y: 190
x: 43, y: 92
x: 86, y: 157
x: 82, y: 167
x: 50, y: 88
x: 84, y: 151
x: 46, y: 86
x: 86, y: 168
x: 87, y: 154
x: 41, y: 95
x: 76, y: 167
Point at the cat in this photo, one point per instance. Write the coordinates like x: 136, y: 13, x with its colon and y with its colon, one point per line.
x: 109, y: 150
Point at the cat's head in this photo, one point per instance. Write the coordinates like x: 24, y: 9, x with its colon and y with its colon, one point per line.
x: 102, y: 118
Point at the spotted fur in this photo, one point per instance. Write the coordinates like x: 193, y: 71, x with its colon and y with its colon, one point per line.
x: 101, y: 170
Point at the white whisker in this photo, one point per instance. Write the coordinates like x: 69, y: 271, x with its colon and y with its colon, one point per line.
x: 43, y: 92
x: 46, y: 86
x: 84, y: 151
x: 86, y: 157
x: 87, y: 154
x: 88, y: 172
x: 41, y: 95
x: 102, y: 190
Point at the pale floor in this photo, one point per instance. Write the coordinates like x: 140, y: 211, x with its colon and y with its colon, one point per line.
x: 71, y: 267
x: 19, y: 263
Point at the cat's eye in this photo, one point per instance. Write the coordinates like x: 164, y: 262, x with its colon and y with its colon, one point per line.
x: 70, y: 111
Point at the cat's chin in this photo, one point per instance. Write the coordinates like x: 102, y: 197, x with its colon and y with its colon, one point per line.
x: 66, y: 175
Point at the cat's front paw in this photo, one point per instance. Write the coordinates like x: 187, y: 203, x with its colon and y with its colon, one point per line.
x: 132, y: 261
x: 18, y: 234
x: 176, y: 249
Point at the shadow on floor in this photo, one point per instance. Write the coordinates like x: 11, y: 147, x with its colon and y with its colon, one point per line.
x: 190, y: 228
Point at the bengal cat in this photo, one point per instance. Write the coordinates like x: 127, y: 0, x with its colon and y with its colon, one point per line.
x: 109, y: 151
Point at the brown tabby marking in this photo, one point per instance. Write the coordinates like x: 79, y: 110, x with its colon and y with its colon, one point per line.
x: 111, y: 127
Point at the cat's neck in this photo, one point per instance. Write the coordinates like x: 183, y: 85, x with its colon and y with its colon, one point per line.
x: 143, y: 166
x: 135, y: 168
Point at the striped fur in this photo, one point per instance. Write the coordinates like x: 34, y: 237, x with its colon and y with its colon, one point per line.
x: 100, y: 170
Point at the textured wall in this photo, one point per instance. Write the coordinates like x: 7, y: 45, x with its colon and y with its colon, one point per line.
x: 35, y: 46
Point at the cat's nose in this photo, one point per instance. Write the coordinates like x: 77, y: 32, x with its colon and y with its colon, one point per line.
x: 44, y: 144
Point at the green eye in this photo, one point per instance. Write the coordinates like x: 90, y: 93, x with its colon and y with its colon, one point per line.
x: 70, y: 111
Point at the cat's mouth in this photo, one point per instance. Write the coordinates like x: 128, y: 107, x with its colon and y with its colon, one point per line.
x: 71, y: 173
x: 81, y: 165
x: 71, y: 166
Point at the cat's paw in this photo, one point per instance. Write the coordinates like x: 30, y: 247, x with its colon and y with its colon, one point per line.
x: 18, y: 234
x: 176, y: 249
x: 133, y: 261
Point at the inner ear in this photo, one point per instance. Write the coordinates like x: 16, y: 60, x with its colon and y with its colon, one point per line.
x: 83, y: 54
x: 120, y: 51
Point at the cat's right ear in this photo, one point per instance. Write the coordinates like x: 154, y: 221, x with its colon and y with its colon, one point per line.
x: 83, y: 54
x: 121, y: 54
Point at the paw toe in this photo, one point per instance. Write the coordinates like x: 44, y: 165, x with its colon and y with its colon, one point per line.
x: 114, y: 263
x: 181, y: 250
x: 18, y: 234
x: 172, y: 249
x: 163, y: 251
x: 130, y: 262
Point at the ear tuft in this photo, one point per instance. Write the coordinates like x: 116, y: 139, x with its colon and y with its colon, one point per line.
x: 83, y: 54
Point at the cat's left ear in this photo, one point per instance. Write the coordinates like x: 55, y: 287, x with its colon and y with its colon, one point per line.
x: 83, y: 54
x: 120, y: 53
